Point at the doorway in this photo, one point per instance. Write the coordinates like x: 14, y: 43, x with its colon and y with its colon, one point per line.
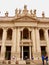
x: 8, y: 53
x: 25, y: 52
x: 43, y: 50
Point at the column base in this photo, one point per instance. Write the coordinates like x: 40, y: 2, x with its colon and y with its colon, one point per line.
x: 2, y: 56
x: 13, y: 58
x: 18, y: 55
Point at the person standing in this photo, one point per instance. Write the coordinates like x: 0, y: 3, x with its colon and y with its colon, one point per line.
x: 46, y: 58
x: 32, y: 58
x: 43, y: 59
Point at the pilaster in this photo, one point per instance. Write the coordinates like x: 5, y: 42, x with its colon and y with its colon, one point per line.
x: 18, y: 44
x: 3, y: 43
x: 30, y: 52
x: 38, y: 49
x: 14, y: 42
x: 22, y: 52
x: 33, y: 43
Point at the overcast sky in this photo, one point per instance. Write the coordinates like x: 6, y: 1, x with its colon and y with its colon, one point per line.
x: 11, y: 5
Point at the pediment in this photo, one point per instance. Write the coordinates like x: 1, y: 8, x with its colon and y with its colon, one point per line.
x: 25, y: 18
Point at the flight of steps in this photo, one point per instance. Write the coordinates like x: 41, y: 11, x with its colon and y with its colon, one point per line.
x: 33, y: 62
x: 36, y: 62
x: 39, y: 62
x: 28, y: 62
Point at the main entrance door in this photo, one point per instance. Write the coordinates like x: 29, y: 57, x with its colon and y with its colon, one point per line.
x: 25, y: 52
x: 43, y: 50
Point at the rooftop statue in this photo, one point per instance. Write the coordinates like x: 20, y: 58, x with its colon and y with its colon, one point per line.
x: 19, y: 11
x: 31, y: 11
x: 25, y: 11
x: 6, y: 13
x: 16, y: 11
x: 43, y: 14
x: 25, y: 7
x: 34, y: 12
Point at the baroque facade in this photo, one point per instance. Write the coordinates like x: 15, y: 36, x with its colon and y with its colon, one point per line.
x: 23, y: 35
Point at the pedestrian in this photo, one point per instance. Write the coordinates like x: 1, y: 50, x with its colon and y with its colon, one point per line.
x: 43, y: 59
x: 46, y: 58
x: 26, y: 58
x: 32, y: 58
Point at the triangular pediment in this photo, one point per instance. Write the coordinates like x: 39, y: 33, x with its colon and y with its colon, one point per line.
x: 25, y: 18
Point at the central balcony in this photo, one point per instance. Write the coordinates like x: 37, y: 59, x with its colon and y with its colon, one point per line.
x: 8, y: 42
x: 25, y: 40
x: 43, y: 43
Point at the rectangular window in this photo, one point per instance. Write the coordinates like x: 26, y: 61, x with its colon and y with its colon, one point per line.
x: 0, y: 50
x: 8, y: 53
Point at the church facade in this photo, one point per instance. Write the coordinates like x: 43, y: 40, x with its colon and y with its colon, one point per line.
x: 23, y: 35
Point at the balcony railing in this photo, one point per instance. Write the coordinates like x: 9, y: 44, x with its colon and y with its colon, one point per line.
x: 43, y: 43
x: 8, y: 41
x: 25, y: 40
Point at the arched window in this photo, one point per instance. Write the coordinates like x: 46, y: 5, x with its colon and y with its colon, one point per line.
x: 25, y: 33
x: 1, y: 34
x: 9, y: 34
x: 48, y: 33
x: 41, y: 32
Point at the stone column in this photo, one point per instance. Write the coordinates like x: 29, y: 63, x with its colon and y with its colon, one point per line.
x: 47, y: 40
x: 3, y: 44
x: 14, y: 42
x: 18, y: 43
x: 33, y: 43
x: 38, y: 49
x: 30, y: 51
x: 22, y: 52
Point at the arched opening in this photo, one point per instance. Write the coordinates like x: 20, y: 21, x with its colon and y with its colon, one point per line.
x: 48, y: 33
x: 41, y: 33
x: 9, y: 34
x: 1, y: 34
x: 25, y: 33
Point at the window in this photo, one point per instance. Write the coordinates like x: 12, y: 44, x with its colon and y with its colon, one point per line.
x: 1, y: 34
x: 9, y: 34
x: 8, y: 53
x: 41, y: 32
x: 48, y: 33
x: 25, y: 33
x: 0, y: 50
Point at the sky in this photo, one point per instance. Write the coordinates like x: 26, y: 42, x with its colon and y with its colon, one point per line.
x: 11, y: 5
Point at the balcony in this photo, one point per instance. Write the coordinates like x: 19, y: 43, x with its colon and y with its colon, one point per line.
x: 43, y: 43
x: 25, y: 40
x: 8, y: 42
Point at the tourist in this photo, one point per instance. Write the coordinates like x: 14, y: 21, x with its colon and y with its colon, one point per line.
x: 26, y: 58
x: 43, y: 59
x: 32, y: 58
x: 46, y: 58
